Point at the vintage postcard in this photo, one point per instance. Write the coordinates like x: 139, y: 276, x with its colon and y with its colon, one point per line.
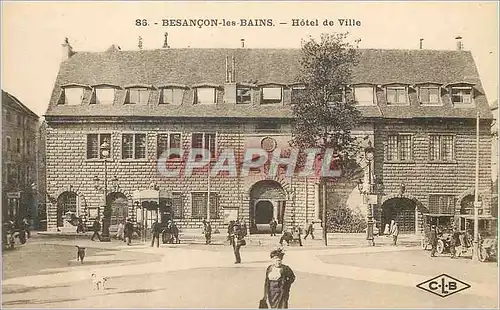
x: 231, y: 154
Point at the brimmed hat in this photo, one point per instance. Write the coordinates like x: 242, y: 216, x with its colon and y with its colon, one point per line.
x: 277, y: 253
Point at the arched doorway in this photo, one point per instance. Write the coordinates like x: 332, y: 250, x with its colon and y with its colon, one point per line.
x: 403, y: 211
x: 66, y: 203
x: 119, y: 209
x: 267, y: 200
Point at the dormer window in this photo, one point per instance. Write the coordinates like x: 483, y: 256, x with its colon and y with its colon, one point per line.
x: 397, y: 95
x: 243, y: 94
x: 138, y: 95
x: 104, y: 95
x: 171, y: 95
x: 271, y: 95
x: 461, y: 95
x: 298, y: 92
x: 72, y: 94
x: 339, y: 95
x: 205, y: 95
x: 428, y: 95
x: 364, y: 95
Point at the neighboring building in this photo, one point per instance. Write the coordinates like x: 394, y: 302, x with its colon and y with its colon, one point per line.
x: 494, y: 159
x: 19, y: 151
x: 419, y: 109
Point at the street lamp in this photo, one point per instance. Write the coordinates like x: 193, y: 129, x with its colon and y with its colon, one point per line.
x: 105, y: 151
x: 369, y: 154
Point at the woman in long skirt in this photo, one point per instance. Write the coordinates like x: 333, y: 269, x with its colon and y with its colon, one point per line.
x: 279, y: 279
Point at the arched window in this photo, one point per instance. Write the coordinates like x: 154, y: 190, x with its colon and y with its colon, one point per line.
x: 66, y: 202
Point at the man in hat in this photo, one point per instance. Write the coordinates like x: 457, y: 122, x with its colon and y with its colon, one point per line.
x: 128, y: 231
x: 96, y: 226
x: 155, y: 231
x: 207, y: 231
x: 433, y: 239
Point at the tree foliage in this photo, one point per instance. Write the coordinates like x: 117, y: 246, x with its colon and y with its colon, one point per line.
x: 323, y: 116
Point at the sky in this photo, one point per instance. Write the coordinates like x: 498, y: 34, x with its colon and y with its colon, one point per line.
x: 32, y: 32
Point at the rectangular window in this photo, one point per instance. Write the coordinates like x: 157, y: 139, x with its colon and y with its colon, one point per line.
x: 271, y: 94
x: 363, y: 95
x: 199, y: 205
x: 19, y: 120
x: 166, y: 141
x: 441, y: 148
x: 73, y: 95
x: 94, y: 143
x: 8, y: 144
x: 134, y: 146
x: 267, y: 127
x: 177, y: 205
x: 461, y: 95
x: 399, y: 148
x: 18, y: 145
x: 429, y: 95
x: 442, y: 204
x: 105, y: 95
x: 243, y: 95
x: 396, y: 95
x: 28, y: 147
x: 204, y: 141
x: 339, y: 95
x: 171, y: 96
x: 138, y: 96
x: 205, y: 95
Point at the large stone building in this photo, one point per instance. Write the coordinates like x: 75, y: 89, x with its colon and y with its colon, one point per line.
x: 113, y: 113
x: 19, y: 168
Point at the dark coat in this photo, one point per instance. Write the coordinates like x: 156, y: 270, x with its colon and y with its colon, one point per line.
x: 96, y: 226
x: 433, y: 236
x: 277, y: 292
x: 129, y: 229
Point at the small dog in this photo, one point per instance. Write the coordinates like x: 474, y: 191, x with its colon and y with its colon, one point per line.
x: 98, y: 283
x: 80, y: 253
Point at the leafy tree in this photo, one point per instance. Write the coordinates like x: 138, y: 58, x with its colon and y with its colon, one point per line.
x: 323, y: 115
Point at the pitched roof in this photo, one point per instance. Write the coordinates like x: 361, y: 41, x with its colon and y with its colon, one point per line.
x: 494, y: 105
x: 189, y: 67
x: 8, y: 99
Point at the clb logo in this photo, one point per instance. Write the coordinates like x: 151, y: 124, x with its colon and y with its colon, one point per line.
x: 443, y: 285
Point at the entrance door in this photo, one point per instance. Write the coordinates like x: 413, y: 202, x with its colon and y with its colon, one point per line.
x: 263, y: 212
x: 401, y: 210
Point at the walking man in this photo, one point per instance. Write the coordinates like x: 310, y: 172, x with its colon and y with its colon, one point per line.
x: 96, y: 227
x: 128, y: 231
x: 395, y: 233
x: 155, y: 231
x: 238, y: 241
x: 273, y: 224
x: 454, y: 242
x: 433, y: 240
x: 207, y: 231
x: 309, y: 231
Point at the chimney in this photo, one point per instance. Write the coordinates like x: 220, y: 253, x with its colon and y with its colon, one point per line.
x: 421, y: 43
x: 67, y: 50
x: 165, y: 43
x: 460, y: 46
x: 242, y: 42
x: 227, y: 69
x: 140, y: 43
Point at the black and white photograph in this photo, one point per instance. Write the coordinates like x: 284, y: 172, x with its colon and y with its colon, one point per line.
x: 250, y: 154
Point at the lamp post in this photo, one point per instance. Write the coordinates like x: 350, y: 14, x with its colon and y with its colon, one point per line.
x: 105, y: 151
x: 369, y: 153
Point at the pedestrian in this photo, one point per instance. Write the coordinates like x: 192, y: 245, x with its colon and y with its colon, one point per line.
x: 287, y: 236
x: 273, y: 225
x: 386, y: 229
x: 279, y: 279
x: 128, y: 231
x: 309, y: 231
x: 155, y: 231
x: 96, y: 227
x: 238, y: 241
x: 296, y: 235
x: 80, y: 227
x: 454, y: 242
x: 26, y: 226
x: 119, y: 232
x: 433, y: 239
x: 395, y: 233
x: 207, y: 231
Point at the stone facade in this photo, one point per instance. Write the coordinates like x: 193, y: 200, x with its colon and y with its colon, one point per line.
x: 19, y: 167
